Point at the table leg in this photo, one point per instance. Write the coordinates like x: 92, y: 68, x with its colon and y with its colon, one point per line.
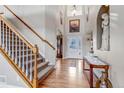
x: 83, y: 64
x: 91, y: 77
x: 106, y: 70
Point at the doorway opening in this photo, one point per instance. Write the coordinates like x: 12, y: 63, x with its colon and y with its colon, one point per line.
x: 59, y: 46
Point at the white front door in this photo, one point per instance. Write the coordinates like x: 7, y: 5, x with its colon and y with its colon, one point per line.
x: 74, y: 47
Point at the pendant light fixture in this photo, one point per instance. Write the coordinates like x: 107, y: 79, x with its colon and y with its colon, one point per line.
x: 74, y: 10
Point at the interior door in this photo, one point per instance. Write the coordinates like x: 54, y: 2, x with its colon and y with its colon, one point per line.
x: 59, y: 46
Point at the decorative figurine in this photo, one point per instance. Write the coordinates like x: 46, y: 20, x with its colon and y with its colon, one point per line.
x: 103, y: 82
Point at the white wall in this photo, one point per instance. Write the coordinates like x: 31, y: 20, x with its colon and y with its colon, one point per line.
x: 115, y: 56
x: 80, y: 34
x: 51, y: 23
x: 12, y: 77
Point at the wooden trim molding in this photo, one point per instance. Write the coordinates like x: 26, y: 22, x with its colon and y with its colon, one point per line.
x: 29, y: 27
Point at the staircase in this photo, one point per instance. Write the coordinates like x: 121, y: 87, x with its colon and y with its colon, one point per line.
x: 22, y: 56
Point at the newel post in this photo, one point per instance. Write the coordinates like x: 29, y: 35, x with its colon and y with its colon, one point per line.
x: 35, y: 79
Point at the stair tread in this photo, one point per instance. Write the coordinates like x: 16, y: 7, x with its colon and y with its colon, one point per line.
x: 44, y: 71
x: 38, y: 59
x: 39, y: 66
x: 26, y: 55
x: 42, y: 64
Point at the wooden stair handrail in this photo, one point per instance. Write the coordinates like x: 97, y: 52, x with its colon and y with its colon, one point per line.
x: 29, y: 27
x: 17, y: 33
x: 1, y: 13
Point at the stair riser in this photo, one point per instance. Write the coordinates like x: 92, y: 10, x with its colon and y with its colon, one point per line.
x: 39, y: 69
x: 45, y: 75
x: 38, y: 62
x: 43, y: 67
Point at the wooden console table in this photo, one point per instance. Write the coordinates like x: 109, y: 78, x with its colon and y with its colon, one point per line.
x: 93, y: 63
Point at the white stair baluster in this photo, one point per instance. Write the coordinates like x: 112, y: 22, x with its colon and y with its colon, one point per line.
x: 31, y: 66
x: 3, y: 36
x: 6, y: 38
x: 12, y: 46
x: 27, y: 61
x: 16, y: 44
x: 23, y: 63
x: 19, y: 51
x: 9, y: 43
x: 0, y: 32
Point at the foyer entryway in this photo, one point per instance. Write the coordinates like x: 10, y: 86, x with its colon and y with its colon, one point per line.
x: 68, y: 74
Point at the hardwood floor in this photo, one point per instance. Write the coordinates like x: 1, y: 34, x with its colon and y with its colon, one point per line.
x: 67, y: 74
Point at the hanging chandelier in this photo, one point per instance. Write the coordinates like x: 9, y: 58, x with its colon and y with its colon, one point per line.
x: 74, y: 10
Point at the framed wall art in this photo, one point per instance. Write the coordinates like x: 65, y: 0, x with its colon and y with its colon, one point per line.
x: 74, y: 25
